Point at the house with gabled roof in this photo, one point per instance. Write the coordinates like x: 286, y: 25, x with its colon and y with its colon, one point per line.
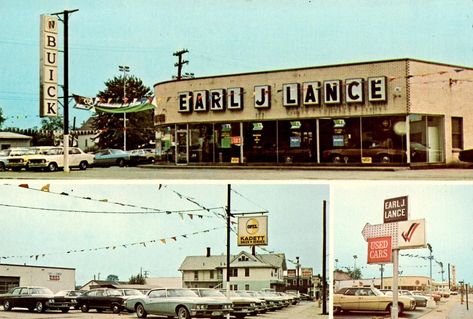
x: 247, y: 271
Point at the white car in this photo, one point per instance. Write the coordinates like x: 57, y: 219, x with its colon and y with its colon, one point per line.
x: 54, y: 159
x: 5, y: 155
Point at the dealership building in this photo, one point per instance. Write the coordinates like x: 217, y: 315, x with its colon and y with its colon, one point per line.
x: 397, y: 112
x: 54, y: 278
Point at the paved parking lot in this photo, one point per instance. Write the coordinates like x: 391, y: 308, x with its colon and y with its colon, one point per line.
x: 304, y: 310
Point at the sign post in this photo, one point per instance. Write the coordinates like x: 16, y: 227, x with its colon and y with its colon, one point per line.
x: 397, y: 232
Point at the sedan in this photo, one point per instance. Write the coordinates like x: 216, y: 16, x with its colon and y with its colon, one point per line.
x: 111, y: 157
x: 34, y: 298
x: 101, y: 299
x: 368, y: 299
x: 142, y: 156
x: 180, y: 302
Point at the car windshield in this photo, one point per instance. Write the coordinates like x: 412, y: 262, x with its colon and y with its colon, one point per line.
x: 40, y: 291
x: 181, y: 293
x: 243, y: 293
x: 54, y: 151
x: 113, y: 292
x: 377, y: 292
x: 211, y: 293
x: 132, y: 292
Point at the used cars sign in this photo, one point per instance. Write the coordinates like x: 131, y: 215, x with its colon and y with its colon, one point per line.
x: 380, y: 250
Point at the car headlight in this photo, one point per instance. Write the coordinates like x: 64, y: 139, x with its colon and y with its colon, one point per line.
x: 200, y: 307
x: 73, y: 301
x: 252, y: 304
x: 227, y: 306
x: 51, y: 300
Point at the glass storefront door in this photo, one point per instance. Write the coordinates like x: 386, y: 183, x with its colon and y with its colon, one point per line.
x: 426, y: 134
x: 182, y: 145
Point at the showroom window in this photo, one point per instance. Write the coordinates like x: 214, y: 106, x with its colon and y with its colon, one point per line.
x: 260, y: 142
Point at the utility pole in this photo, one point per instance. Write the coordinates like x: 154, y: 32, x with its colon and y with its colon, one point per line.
x: 229, y: 191
x: 297, y: 274
x: 180, y: 62
x: 66, y: 13
x: 382, y: 272
x: 124, y: 69
x: 449, y: 285
x: 324, y: 259
x: 430, y: 258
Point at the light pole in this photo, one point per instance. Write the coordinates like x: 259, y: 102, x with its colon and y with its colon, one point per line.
x: 355, y: 257
x: 124, y: 69
x: 297, y: 274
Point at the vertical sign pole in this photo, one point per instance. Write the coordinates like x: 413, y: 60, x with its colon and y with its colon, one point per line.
x: 394, y: 311
x: 324, y: 259
x: 229, y: 190
x: 66, y: 92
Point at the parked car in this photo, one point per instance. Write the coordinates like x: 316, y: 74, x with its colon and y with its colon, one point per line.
x: 260, y: 304
x: 466, y: 155
x: 5, y: 155
x: 111, y: 157
x: 142, y: 156
x: 70, y: 296
x: 34, y: 298
x: 240, y: 305
x: 181, y: 302
x: 378, y: 152
x: 54, y: 159
x: 367, y: 299
x: 17, y: 162
x: 101, y: 299
x: 272, y: 301
x: 388, y: 292
x: 421, y: 301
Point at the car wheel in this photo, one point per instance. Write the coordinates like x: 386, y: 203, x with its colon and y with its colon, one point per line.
x: 52, y: 167
x: 2, y: 166
x: 99, y: 310
x: 83, y: 165
x: 399, y: 308
x: 140, y: 311
x: 39, y: 307
x: 183, y: 313
x: 116, y: 308
x: 151, y: 160
x: 337, y: 310
x: 6, y: 305
x: 84, y: 308
x: 121, y: 162
x: 385, y: 158
x: 337, y: 159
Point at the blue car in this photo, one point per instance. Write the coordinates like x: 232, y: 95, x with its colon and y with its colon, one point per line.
x: 111, y: 157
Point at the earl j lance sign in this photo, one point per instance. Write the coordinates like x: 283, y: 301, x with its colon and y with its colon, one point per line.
x: 253, y: 231
x: 395, y: 209
x: 380, y: 250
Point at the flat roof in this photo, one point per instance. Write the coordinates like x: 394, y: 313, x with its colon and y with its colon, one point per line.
x: 315, y: 67
x: 31, y: 266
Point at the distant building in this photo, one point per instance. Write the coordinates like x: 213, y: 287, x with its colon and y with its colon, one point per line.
x: 54, y: 278
x: 405, y: 282
x: 85, y: 135
x: 247, y: 271
x: 10, y: 139
x: 308, y: 283
x: 150, y: 283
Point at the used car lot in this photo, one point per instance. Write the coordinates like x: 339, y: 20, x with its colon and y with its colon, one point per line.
x: 304, y: 310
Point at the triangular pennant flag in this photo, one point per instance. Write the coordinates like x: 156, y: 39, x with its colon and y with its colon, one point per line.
x: 174, y: 238
x: 191, y: 216
x: 45, y: 188
x: 163, y: 241
x: 181, y: 215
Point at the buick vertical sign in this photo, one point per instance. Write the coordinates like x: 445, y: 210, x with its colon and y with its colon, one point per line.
x: 48, y: 94
x: 395, y: 209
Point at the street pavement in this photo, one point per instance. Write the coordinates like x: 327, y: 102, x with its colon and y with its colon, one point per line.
x: 157, y: 172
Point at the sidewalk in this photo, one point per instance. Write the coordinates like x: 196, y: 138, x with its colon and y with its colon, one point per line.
x: 451, y: 309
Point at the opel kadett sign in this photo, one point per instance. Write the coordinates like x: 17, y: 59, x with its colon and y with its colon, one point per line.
x: 253, y: 231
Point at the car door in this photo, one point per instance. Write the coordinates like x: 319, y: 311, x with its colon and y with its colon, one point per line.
x: 75, y: 157
x: 157, y: 303
x: 349, y: 300
x: 14, y: 297
x: 24, y: 299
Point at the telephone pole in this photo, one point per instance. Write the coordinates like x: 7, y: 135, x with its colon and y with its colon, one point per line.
x: 180, y: 62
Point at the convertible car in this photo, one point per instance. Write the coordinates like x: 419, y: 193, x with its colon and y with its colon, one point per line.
x: 180, y: 302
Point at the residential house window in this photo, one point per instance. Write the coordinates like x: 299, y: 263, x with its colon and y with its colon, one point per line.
x: 247, y: 272
x: 211, y: 274
x: 234, y: 287
x: 234, y: 272
x: 196, y: 275
x: 247, y: 287
x: 457, y: 133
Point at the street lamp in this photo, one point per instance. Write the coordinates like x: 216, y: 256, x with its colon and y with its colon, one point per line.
x: 124, y: 69
x: 355, y: 257
x: 297, y: 273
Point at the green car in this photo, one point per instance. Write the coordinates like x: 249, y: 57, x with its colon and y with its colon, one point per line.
x: 181, y: 302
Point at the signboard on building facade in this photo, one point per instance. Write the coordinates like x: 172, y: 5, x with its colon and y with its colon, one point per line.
x: 291, y: 273
x: 380, y: 250
x: 253, y: 231
x: 307, y: 272
x: 48, y: 94
x: 395, y: 209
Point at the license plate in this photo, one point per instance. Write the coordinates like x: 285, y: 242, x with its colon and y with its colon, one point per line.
x: 217, y: 313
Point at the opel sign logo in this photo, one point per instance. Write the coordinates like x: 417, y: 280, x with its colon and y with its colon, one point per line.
x: 252, y: 226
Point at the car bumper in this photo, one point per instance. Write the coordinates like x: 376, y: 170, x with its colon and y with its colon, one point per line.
x: 209, y: 313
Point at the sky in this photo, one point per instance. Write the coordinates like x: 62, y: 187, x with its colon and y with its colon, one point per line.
x: 79, y: 221
x: 223, y: 37
x: 445, y: 206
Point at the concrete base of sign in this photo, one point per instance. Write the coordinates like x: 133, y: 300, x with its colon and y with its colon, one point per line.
x: 431, y: 303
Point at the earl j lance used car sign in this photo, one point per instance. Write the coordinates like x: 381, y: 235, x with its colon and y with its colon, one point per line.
x: 380, y: 250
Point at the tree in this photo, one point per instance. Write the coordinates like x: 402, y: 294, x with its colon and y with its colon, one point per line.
x: 139, y: 126
x: 46, y: 134
x: 137, y: 280
x: 2, y: 118
x: 112, y: 277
